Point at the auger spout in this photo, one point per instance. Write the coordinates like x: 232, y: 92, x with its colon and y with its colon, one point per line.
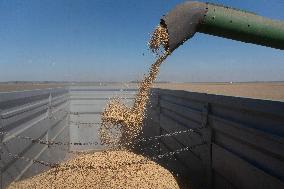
x: 190, y: 17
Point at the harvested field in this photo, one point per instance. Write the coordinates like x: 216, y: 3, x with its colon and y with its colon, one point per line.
x: 261, y: 90
x: 5, y: 87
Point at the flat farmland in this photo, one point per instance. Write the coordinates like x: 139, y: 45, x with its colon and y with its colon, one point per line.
x: 258, y: 90
x: 8, y: 87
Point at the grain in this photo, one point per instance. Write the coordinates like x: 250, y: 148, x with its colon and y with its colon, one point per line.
x: 159, y: 38
x: 130, y: 118
x: 114, y: 169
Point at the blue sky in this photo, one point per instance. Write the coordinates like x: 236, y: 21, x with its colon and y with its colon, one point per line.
x: 106, y: 40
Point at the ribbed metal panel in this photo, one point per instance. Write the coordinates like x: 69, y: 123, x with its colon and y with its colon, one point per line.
x: 66, y: 115
x: 244, y: 137
x: 38, y: 114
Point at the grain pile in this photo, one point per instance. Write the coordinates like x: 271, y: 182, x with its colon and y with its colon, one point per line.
x: 110, y: 170
x: 130, y: 118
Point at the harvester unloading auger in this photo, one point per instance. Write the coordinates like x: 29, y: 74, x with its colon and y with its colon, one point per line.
x: 190, y: 17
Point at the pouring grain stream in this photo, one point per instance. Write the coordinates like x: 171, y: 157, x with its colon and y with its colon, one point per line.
x: 130, y: 118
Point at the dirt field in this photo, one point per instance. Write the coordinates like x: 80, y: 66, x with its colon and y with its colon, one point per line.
x: 271, y: 90
x: 5, y: 87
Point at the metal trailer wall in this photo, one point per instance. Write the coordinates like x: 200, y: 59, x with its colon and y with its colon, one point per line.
x: 86, y: 106
x: 67, y: 115
x: 39, y: 114
x: 244, y: 139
